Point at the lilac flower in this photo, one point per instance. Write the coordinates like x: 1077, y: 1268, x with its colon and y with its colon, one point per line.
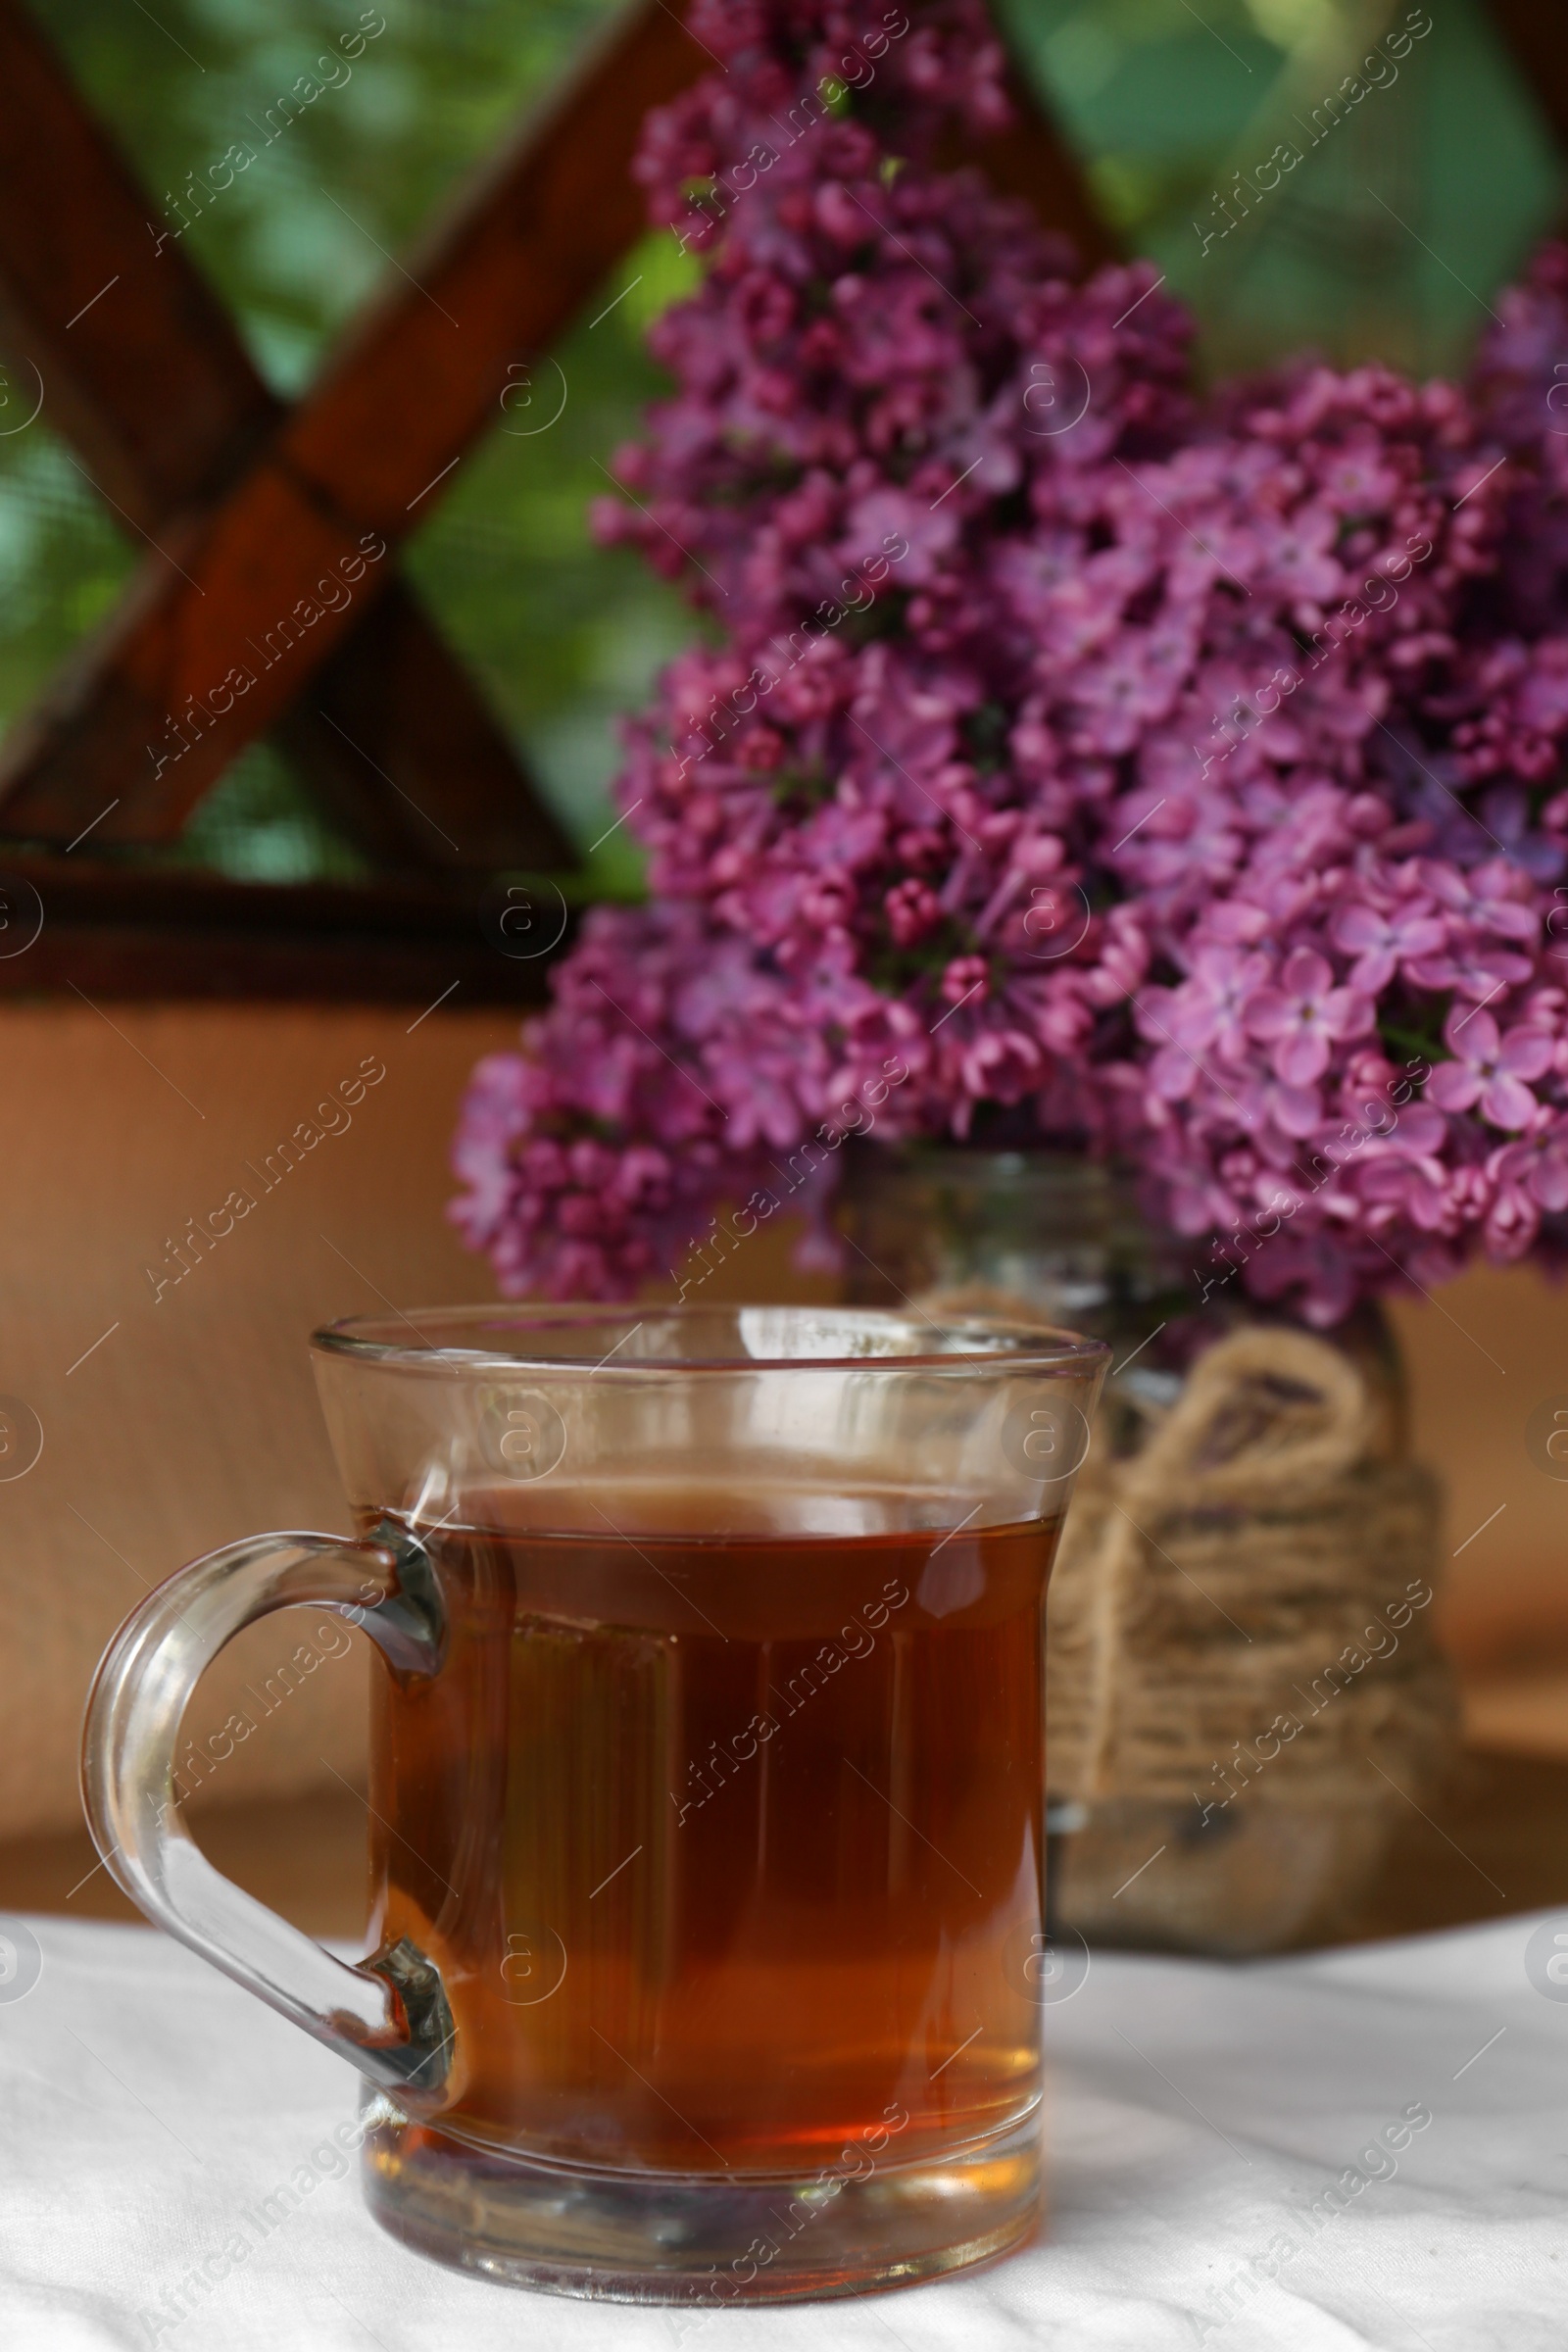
x: 1538, y: 1166
x: 1165, y: 784
x: 1381, y: 941
x: 1212, y: 1009
x: 1492, y: 1071
x: 1306, y: 1016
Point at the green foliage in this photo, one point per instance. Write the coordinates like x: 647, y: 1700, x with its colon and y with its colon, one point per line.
x: 1388, y: 238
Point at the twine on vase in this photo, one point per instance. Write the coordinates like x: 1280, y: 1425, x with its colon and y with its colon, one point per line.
x: 1242, y: 1592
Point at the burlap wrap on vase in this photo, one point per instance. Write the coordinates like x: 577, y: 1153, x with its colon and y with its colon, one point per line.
x: 1244, y: 1692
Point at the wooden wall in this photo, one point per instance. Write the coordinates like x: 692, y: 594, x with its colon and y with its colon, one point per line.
x: 195, y: 1420
x: 1482, y: 1356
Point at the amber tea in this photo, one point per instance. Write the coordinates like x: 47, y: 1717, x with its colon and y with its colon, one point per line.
x: 713, y: 1839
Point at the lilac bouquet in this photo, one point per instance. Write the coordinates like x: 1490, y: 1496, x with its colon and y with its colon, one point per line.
x: 1066, y: 761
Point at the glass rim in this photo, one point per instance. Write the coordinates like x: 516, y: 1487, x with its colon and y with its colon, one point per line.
x: 1015, y: 1344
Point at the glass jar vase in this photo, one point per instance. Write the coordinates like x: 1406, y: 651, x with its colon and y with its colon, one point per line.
x: 1242, y: 1685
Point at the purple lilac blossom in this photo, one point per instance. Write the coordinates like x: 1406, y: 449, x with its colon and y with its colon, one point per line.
x: 1169, y: 781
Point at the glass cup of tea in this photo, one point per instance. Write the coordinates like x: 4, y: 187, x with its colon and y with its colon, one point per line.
x: 706, y: 1785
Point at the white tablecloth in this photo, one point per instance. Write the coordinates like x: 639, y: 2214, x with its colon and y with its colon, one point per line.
x: 1200, y: 2117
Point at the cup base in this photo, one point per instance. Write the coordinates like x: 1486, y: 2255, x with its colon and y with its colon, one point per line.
x: 702, y: 2240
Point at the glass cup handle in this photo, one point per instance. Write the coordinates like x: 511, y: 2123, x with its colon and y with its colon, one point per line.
x: 388, y: 2016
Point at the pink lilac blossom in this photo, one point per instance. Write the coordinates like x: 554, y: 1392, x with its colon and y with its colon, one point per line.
x: 1176, y: 781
